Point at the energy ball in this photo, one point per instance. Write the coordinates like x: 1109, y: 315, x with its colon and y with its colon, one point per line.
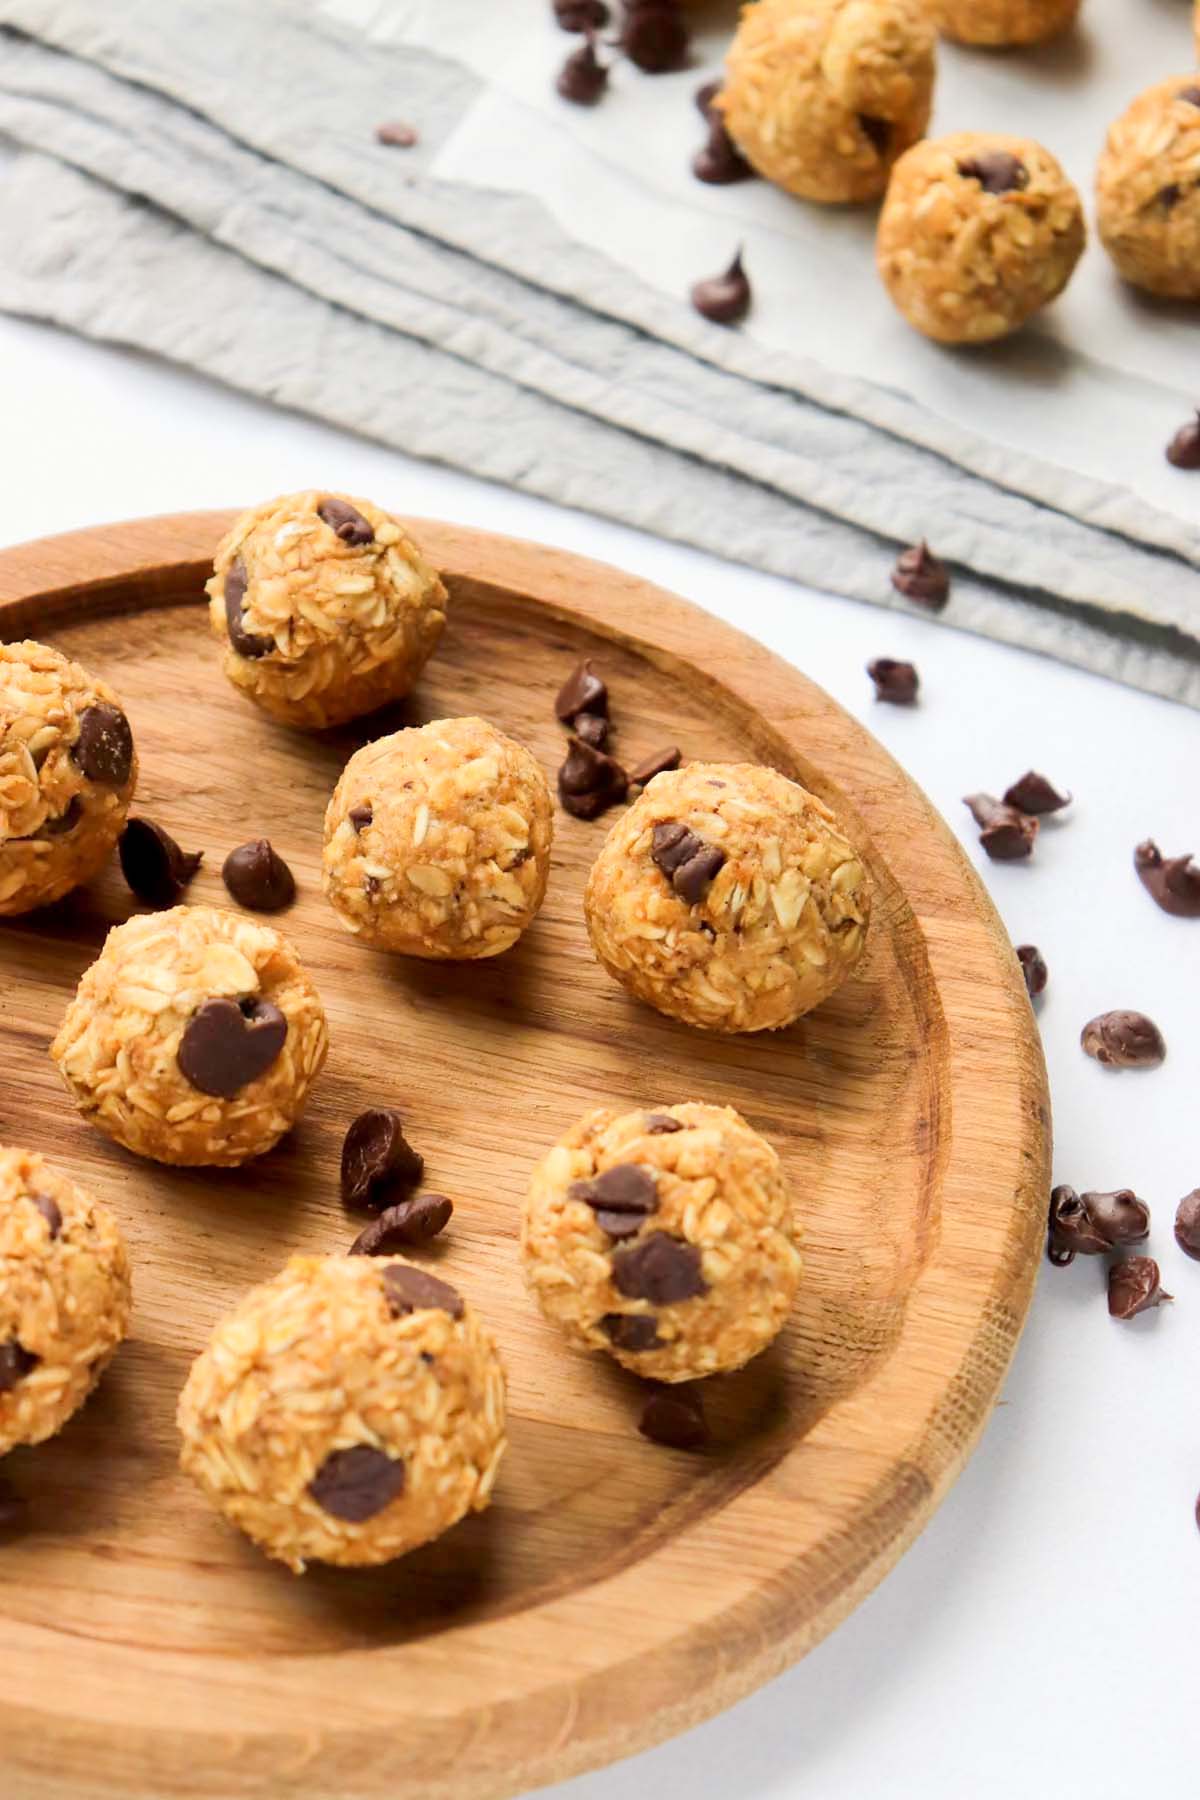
x: 665, y: 1237
x: 821, y: 96
x: 727, y: 897
x: 437, y: 841
x: 1148, y: 190
x: 977, y: 232
x: 345, y: 1412
x: 1003, y: 22
x: 193, y: 1038
x: 324, y: 607
x: 64, y: 1297
x: 68, y: 769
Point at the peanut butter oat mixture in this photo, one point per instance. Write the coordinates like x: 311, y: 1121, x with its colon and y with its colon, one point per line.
x: 1003, y: 22
x: 1148, y: 190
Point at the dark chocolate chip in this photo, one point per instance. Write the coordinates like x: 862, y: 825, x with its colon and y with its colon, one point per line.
x: 379, y: 1165
x: 1124, y: 1040
x: 60, y: 824
x: 411, y: 1222
x: 582, y: 692
x: 15, y: 1363
x: 1134, y: 1286
x: 1173, y: 882
x: 1184, y: 448
x: 1190, y: 94
x: 581, y: 15
x: 921, y: 576
x: 345, y: 521
x: 357, y: 1483
x: 660, y: 1269
x: 685, y: 859
x: 154, y: 867
x: 622, y: 1198
x: 258, y: 878
x: 1034, y: 794
x: 671, y: 843
x: 413, y: 1290
x: 1092, y: 1223
x: 619, y: 1225
x: 996, y: 171
x: 659, y: 1123
x: 896, y: 682
x: 590, y: 781
x: 1187, y: 1224
x: 654, y: 35
x: 877, y: 131
x: 724, y: 298
x: 592, y: 728
x: 50, y: 1211
x: 658, y: 764
x: 244, y: 642
x: 631, y: 1331
x: 1005, y: 833
x: 674, y: 1417
x: 583, y: 78
x: 693, y: 878
x: 1033, y: 967
x: 704, y: 96
x: 397, y: 135
x: 1169, y: 197
x: 227, y: 1044
x: 718, y: 161
x: 104, y: 748
x: 361, y: 816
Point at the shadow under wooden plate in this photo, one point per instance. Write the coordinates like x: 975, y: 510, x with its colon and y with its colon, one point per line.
x: 616, y: 1592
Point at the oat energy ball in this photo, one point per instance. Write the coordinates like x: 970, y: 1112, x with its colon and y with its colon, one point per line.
x: 1148, y: 190
x: 346, y: 1411
x: 665, y: 1237
x: 64, y: 1297
x: 325, y: 608
x: 977, y: 232
x: 821, y: 96
x: 727, y: 897
x: 193, y: 1038
x: 1003, y: 22
x: 437, y: 841
x: 68, y: 769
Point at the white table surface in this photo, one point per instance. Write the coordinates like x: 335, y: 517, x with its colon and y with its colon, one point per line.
x: 1038, y: 1643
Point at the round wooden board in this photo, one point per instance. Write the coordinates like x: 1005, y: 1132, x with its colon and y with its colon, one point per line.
x: 616, y: 1592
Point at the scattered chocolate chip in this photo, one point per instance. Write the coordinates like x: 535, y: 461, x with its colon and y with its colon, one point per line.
x: 660, y: 1269
x: 156, y: 870
x: 1092, y: 1223
x: 877, y: 131
x: 258, y: 878
x: 227, y: 1044
x: 15, y: 1363
x: 1033, y: 967
x: 689, y: 864
x: 103, y: 751
x: 1173, y: 882
x: 1190, y: 94
x: 345, y: 521
x: 411, y: 1222
x: 589, y: 781
x: 361, y: 816
x: 244, y: 642
x: 724, y: 299
x: 1124, y: 1040
x: 674, y: 1417
x: 50, y: 1211
x: 894, y: 681
x: 397, y: 135
x: 592, y: 728
x: 1183, y: 451
x: 1134, y: 1286
x: 704, y: 96
x: 379, y: 1165
x: 718, y: 161
x: 996, y: 171
x: 654, y: 35
x: 582, y: 692
x: 1005, y: 833
x: 631, y: 1331
x: 583, y: 78
x: 659, y: 1123
x: 357, y: 1483
x: 1034, y: 794
x: 658, y: 764
x: 580, y: 15
x: 413, y: 1290
x: 1187, y: 1224
x: 921, y: 576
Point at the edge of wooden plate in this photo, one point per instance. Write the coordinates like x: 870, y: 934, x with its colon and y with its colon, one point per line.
x: 136, y: 1721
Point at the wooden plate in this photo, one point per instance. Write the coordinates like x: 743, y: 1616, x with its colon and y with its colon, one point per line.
x: 616, y: 1592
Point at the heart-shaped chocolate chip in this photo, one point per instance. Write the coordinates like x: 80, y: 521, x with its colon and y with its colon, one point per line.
x: 227, y: 1044
x: 103, y: 751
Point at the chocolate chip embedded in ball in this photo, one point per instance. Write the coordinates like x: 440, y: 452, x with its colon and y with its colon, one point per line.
x: 345, y: 521
x: 15, y: 1363
x: 634, y: 1332
x: 356, y: 1483
x: 227, y: 1044
x: 246, y: 643
x: 996, y: 171
x: 690, y: 864
x: 411, y: 1290
x: 156, y: 870
x: 258, y: 878
x: 661, y: 1269
x: 103, y: 751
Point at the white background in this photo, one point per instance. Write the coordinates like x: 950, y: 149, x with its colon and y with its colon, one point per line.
x: 1039, y: 1642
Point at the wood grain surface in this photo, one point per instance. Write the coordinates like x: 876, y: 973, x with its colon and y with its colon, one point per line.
x: 616, y: 1592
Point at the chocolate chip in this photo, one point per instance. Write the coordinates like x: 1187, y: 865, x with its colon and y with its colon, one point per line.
x: 397, y: 135
x: 631, y: 1331
x: 1187, y: 1224
x: 659, y: 1123
x: 412, y: 1290
x: 582, y: 692
x: 258, y: 878
x: 15, y: 1364
x: 724, y: 298
x: 718, y: 161
x: 104, y: 748
x: 592, y: 729
x: 59, y: 825
x: 411, y: 1222
x: 1169, y: 197
x: 1183, y: 451
x: 619, y: 1225
x: 1033, y: 967
x: 996, y: 171
x: 379, y: 1165
x: 894, y: 681
x: 877, y: 131
x: 1124, y: 1040
x: 622, y: 1198
x: 227, y: 1044
x: 674, y: 1417
x: 50, y: 1211
x: 244, y: 642
x: 583, y: 78
x: 685, y: 859
x: 345, y: 521
x: 921, y: 576
x: 361, y: 816
x: 1134, y: 1286
x: 1190, y: 94
x: 1005, y: 833
x: 357, y: 1483
x: 658, y: 764
x: 156, y: 870
x: 704, y: 96
x: 589, y: 781
x: 1092, y: 1223
x: 693, y: 878
x: 579, y: 15
x: 1034, y: 794
x: 660, y: 1269
x: 1173, y: 882
x: 654, y: 36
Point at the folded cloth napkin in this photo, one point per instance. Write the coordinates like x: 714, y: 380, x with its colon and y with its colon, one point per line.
x: 254, y: 229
